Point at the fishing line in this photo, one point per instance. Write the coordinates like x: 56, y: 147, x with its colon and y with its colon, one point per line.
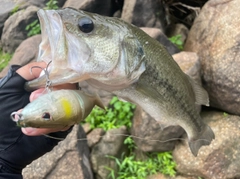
x: 127, y: 135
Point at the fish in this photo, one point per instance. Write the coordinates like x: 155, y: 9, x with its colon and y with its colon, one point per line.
x: 113, y: 55
x: 59, y: 108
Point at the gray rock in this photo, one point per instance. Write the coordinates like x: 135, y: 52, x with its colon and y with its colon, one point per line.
x: 94, y: 136
x: 5, y: 11
x: 96, y: 6
x: 149, y: 135
x: 219, y: 160
x: 157, y: 34
x: 25, y: 53
x: 14, y: 28
x: 64, y: 161
x: 111, y: 144
x: 144, y: 13
x: 215, y: 37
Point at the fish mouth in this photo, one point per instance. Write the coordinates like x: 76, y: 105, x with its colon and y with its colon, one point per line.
x: 53, y: 45
x: 64, y: 53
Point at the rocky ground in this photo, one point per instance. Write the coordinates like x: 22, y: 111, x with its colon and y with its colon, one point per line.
x: 210, y: 55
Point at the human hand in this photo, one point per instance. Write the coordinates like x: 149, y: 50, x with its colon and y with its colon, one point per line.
x: 29, y: 74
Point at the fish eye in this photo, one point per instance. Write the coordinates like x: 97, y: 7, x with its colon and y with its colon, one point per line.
x: 46, y: 116
x: 85, y: 24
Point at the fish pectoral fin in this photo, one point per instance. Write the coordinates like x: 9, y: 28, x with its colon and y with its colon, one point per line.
x: 201, y: 95
x: 204, y: 138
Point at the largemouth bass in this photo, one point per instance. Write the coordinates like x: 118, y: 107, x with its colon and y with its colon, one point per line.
x: 118, y: 57
x: 57, y: 109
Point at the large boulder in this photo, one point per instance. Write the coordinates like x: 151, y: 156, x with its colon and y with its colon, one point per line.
x: 14, y: 28
x: 219, y: 160
x: 69, y: 159
x: 215, y: 37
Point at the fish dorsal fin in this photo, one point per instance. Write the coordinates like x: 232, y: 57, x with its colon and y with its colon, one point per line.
x: 201, y: 95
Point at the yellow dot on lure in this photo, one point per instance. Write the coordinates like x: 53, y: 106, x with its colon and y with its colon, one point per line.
x: 66, y: 107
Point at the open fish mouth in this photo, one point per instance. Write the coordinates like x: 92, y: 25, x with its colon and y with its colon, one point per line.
x: 53, y: 45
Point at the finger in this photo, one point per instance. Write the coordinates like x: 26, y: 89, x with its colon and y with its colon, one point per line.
x: 41, y: 131
x: 29, y: 74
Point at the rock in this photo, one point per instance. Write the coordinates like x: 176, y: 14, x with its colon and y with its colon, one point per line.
x: 14, y: 28
x: 149, y: 135
x: 5, y: 11
x: 86, y: 128
x: 96, y: 6
x: 157, y: 34
x: 190, y: 64
x: 64, y: 160
x: 219, y: 160
x: 25, y: 53
x: 161, y: 176
x: 144, y: 13
x: 111, y: 144
x: 95, y: 136
x: 215, y: 37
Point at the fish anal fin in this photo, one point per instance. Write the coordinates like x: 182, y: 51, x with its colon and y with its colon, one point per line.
x: 201, y: 95
x: 99, y: 102
x: 204, y: 138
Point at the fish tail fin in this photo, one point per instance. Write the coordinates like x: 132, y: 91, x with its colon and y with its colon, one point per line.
x: 204, y: 138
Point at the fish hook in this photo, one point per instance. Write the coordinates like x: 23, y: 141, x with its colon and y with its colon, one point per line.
x: 45, y: 70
